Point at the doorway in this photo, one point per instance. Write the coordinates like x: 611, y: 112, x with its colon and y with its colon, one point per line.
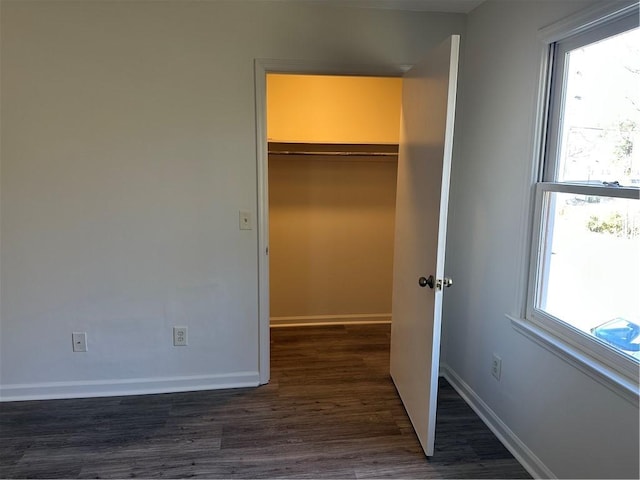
x: 332, y: 153
x: 262, y: 68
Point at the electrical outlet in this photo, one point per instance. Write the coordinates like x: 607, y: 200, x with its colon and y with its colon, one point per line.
x: 79, y: 340
x: 496, y: 366
x: 180, y: 336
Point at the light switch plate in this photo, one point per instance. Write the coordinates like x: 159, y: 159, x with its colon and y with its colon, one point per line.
x: 245, y: 220
x: 79, y: 340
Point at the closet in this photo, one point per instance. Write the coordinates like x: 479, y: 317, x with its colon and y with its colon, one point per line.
x: 332, y: 181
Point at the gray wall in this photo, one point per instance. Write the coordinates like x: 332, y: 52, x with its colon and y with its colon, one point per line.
x: 574, y: 426
x: 128, y: 148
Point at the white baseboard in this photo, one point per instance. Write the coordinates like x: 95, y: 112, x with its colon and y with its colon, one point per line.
x: 518, y: 449
x: 131, y: 386
x: 307, y: 320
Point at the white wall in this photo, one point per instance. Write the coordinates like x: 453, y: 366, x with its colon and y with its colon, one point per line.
x: 575, y: 427
x: 128, y: 147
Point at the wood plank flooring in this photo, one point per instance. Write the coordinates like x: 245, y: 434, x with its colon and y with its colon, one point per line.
x: 330, y: 411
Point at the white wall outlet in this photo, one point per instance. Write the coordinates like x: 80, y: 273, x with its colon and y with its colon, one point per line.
x: 180, y: 336
x: 79, y: 340
x: 496, y: 366
x: 245, y: 220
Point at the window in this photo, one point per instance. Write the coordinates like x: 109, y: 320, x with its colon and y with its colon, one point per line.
x: 584, y: 282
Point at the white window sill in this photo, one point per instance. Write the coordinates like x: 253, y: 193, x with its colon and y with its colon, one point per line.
x: 614, y: 381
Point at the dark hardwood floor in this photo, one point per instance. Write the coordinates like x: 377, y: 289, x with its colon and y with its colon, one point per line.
x: 330, y: 411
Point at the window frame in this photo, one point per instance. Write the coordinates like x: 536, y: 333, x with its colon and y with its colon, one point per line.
x: 585, y: 28
x: 590, y: 345
x: 558, y: 50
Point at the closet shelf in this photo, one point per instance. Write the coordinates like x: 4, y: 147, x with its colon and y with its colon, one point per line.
x: 333, y: 149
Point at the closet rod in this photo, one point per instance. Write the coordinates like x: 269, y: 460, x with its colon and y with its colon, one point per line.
x: 334, y: 153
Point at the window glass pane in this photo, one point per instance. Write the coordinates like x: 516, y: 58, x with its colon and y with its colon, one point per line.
x: 590, y: 271
x: 601, y: 114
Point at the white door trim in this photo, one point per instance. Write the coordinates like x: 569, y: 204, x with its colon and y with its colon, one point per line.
x: 261, y: 68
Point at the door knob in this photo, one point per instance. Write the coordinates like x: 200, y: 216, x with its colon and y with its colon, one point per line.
x: 423, y: 282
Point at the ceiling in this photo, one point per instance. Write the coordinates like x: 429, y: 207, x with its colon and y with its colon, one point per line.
x: 449, y: 6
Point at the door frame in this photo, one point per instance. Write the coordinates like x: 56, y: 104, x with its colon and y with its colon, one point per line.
x: 301, y: 67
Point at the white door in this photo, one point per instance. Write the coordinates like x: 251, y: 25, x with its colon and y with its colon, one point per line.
x: 424, y: 165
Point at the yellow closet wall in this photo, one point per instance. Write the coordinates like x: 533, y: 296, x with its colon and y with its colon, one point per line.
x: 332, y: 109
x: 331, y: 236
x: 331, y: 218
